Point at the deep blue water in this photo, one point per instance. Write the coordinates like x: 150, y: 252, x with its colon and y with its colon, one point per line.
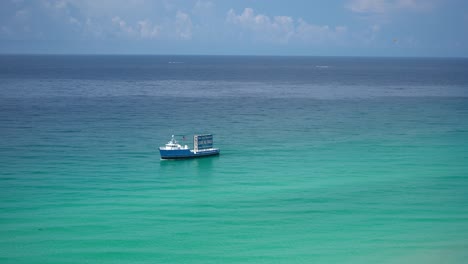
x: 334, y: 160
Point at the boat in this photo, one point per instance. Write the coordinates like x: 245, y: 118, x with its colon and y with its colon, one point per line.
x: 202, y: 147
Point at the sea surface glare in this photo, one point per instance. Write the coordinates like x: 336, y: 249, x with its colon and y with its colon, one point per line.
x: 323, y: 160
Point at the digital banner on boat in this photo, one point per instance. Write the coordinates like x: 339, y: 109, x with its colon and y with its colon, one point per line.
x: 204, y: 141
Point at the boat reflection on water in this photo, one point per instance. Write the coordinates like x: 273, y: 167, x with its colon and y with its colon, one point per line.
x: 202, y: 168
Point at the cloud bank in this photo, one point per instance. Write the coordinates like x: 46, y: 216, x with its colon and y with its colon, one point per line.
x: 242, y: 27
x: 283, y: 29
x: 386, y: 6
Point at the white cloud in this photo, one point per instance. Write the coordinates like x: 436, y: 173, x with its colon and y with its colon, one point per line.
x: 278, y: 28
x: 372, y: 33
x: 22, y: 14
x: 93, y: 28
x: 375, y: 28
x: 183, y: 25
x: 123, y: 27
x: 61, y: 4
x: 144, y: 29
x: 368, y: 6
x: 315, y: 34
x: 55, y: 4
x: 386, y: 6
x: 202, y: 7
x: 414, y: 4
x: 147, y: 30
x: 74, y: 21
x: 282, y: 29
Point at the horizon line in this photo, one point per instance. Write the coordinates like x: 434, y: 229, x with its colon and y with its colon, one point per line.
x: 228, y: 55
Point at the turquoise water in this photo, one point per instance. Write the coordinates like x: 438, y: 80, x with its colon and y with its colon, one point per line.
x: 370, y: 166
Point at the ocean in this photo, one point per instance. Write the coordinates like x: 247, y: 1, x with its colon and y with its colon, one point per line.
x: 323, y: 159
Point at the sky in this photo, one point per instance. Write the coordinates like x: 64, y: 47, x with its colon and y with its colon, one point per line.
x: 394, y: 28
